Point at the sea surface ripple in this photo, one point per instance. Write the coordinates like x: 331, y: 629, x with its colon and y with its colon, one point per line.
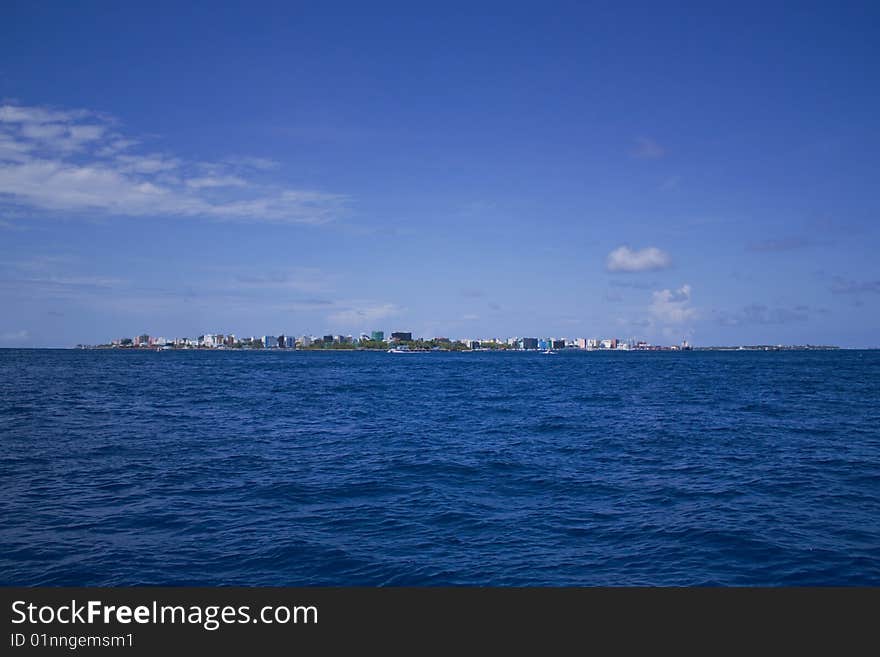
x: 364, y: 468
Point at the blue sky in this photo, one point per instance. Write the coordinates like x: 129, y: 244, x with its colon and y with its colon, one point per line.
x: 466, y: 170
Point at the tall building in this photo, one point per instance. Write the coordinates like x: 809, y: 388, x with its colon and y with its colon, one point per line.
x: 270, y: 342
x: 402, y: 336
x: 377, y: 336
x: 530, y: 343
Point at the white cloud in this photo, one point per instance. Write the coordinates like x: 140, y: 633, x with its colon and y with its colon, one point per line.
x: 673, y: 306
x: 24, y: 115
x: 14, y: 336
x: 76, y: 161
x: 624, y: 258
x: 648, y: 149
x: 215, y: 181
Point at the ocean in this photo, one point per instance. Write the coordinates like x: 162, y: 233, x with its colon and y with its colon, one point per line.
x: 366, y: 468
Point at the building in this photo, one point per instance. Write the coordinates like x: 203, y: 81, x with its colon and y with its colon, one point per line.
x: 401, y: 336
x: 377, y: 336
x: 530, y: 343
x: 328, y: 339
x: 290, y: 342
x: 558, y: 344
x: 270, y: 342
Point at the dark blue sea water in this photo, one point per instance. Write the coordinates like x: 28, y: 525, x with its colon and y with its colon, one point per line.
x: 258, y: 468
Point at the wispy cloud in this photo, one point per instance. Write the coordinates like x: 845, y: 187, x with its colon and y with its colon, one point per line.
x: 673, y: 306
x: 841, y: 285
x: 78, y: 161
x: 757, y: 313
x: 15, y: 336
x: 362, y: 313
x: 633, y: 284
x: 11, y: 226
x: 781, y: 244
x: 670, y: 183
x: 648, y: 149
x: 625, y: 259
x: 300, y: 279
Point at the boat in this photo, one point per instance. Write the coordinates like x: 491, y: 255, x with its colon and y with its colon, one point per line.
x: 400, y: 350
x: 549, y: 352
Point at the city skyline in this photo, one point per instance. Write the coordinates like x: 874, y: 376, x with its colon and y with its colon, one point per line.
x: 568, y: 173
x: 377, y: 339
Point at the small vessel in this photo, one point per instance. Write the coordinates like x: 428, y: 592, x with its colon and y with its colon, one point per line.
x: 404, y: 349
x: 549, y: 352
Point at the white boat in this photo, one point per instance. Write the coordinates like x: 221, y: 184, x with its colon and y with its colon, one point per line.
x: 400, y: 350
x: 549, y: 352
